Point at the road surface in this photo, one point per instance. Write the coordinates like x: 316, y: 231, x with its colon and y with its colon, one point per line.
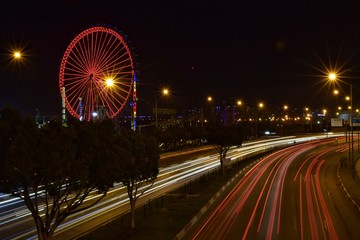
x: 291, y: 194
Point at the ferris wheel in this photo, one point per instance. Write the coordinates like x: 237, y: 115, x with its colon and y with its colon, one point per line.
x: 96, y: 74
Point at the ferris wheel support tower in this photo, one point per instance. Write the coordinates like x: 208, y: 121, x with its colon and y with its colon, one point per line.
x: 63, y: 107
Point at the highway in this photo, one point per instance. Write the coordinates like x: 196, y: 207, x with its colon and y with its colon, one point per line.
x: 291, y: 194
x: 16, y: 222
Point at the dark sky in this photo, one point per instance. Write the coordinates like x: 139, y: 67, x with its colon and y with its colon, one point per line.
x: 273, y: 51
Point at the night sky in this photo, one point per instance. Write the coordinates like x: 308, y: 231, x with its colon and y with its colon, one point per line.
x: 271, y: 51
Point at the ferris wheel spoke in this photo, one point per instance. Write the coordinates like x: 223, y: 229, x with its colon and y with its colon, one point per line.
x: 80, y: 90
x: 111, y: 60
x: 99, y: 51
x: 118, y: 73
x: 108, y: 101
x: 96, y: 62
x: 77, y: 86
x: 103, y: 100
x: 73, y: 76
x: 112, y: 96
x: 90, y: 47
x: 123, y: 66
x: 86, y: 109
x: 121, y: 96
x: 112, y: 109
x: 76, y: 65
x: 90, y: 100
x: 117, y: 66
x: 94, y: 49
x: 79, y: 57
x: 92, y: 53
x: 73, y: 89
x: 103, y: 51
x: 89, y: 50
x: 75, y: 82
x: 117, y: 101
x: 83, y: 52
x: 110, y: 53
x: 73, y: 96
x: 125, y: 81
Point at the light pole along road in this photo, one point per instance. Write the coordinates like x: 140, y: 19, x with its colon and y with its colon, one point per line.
x: 290, y: 194
x: 334, y: 77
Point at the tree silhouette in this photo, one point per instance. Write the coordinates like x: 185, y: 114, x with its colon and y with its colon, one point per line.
x: 223, y: 138
x: 141, y: 169
x: 55, y: 168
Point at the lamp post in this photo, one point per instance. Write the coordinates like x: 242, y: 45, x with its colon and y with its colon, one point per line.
x: 17, y: 55
x: 333, y: 77
x: 237, y: 113
x: 164, y: 92
x: 260, y: 106
x: 208, y: 99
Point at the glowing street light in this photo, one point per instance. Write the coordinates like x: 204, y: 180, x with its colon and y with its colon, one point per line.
x: 165, y: 92
x: 17, y: 55
x: 211, y: 116
x: 333, y: 77
x: 260, y: 106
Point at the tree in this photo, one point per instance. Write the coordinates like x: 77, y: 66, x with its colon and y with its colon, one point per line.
x: 56, y: 168
x: 10, y: 122
x: 197, y: 134
x: 141, y: 169
x: 223, y: 138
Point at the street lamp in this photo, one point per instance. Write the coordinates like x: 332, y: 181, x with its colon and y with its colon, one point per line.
x: 333, y: 77
x: 239, y: 103
x: 208, y: 99
x: 260, y: 106
x: 17, y: 55
x: 164, y: 92
x: 211, y: 111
